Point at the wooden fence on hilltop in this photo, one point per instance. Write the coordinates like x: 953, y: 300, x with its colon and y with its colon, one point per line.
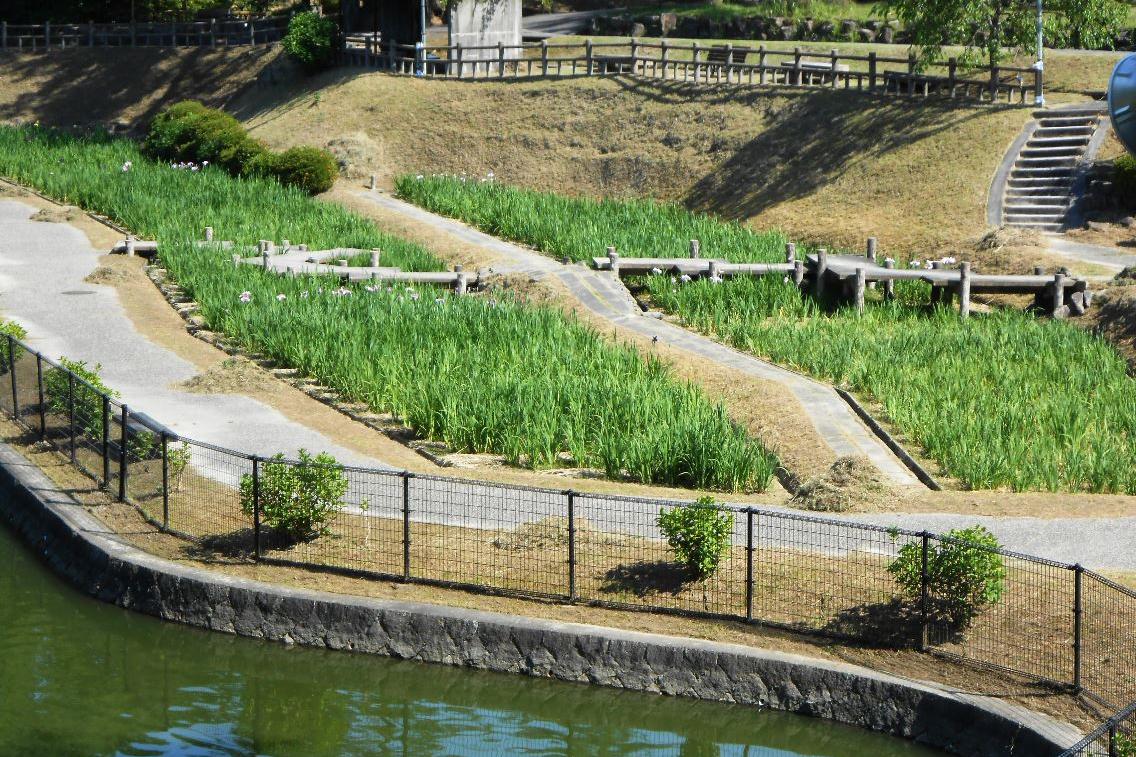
x: 703, y: 64
x: 212, y: 33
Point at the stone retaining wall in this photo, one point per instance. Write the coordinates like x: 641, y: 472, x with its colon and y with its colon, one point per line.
x: 85, y: 552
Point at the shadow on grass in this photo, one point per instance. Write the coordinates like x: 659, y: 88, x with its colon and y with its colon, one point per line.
x: 643, y: 578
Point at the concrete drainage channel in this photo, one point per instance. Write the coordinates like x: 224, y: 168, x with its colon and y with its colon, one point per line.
x: 85, y: 552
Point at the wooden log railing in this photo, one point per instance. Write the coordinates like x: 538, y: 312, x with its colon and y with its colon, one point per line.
x: 701, y: 64
x: 49, y: 36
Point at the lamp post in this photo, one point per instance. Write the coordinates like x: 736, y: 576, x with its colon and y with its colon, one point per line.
x: 1039, y: 100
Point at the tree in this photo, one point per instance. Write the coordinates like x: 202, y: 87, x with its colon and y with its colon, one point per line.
x: 1091, y: 24
x: 984, y: 27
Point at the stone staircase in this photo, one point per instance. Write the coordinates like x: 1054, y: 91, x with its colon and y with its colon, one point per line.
x: 1041, y: 186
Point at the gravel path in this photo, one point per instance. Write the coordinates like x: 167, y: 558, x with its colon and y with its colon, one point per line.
x: 1100, y: 543
x: 42, y: 271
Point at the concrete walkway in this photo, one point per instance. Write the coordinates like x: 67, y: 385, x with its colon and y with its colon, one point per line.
x: 42, y: 272
x: 604, y: 295
x: 1114, y: 258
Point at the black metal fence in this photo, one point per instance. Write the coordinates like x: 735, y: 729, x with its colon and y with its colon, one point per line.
x: 704, y: 64
x: 1058, y: 624
x: 47, y: 36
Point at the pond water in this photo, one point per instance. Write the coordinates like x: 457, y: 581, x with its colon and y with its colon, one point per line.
x: 78, y: 677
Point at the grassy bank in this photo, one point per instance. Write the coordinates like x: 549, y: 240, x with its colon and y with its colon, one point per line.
x: 482, y: 376
x: 1002, y: 400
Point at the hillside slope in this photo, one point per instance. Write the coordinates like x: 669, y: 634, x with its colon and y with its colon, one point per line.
x: 829, y: 166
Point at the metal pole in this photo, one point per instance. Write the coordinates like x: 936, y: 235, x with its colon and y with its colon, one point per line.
x: 571, y: 545
x: 1078, y: 638
x: 924, y: 595
x: 71, y: 412
x: 106, y: 440
x: 12, y: 370
x: 422, y: 19
x: 165, y: 481
x: 122, y: 463
x: 255, y: 507
x: 406, y: 476
x: 1039, y: 67
x: 42, y: 404
x: 749, y: 565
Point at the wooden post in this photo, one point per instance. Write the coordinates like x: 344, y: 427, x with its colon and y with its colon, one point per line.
x: 889, y: 285
x: 761, y: 63
x: 695, y: 248
x: 212, y: 32
x: 47, y: 36
x: 375, y: 257
x: 3, y: 35
x: 613, y: 259
x: 796, y: 66
x: 821, y: 270
x: 873, y: 246
x: 715, y: 270
x: 252, y: 31
x: 694, y: 58
x: 833, y: 59
x: 936, y: 290
x: 392, y: 55
x: 208, y: 233
x: 911, y: 73
x: 952, y: 74
x: 264, y: 259
x: 798, y: 272
x: 1058, y: 295
x: 462, y: 284
x: 663, y: 57
x: 1038, y: 271
x: 341, y: 262
x: 130, y: 247
x: 860, y: 287
x: 500, y: 60
x: 544, y: 57
x: 790, y: 252
x: 236, y: 259
x: 993, y: 84
x: 872, y: 71
x: 588, y: 55
x: 634, y: 54
x: 964, y: 290
x: 372, y: 187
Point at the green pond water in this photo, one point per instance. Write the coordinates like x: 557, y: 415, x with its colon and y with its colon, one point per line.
x: 78, y: 677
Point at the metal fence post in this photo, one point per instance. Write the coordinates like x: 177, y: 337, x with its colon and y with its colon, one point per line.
x: 106, y: 440
x: 71, y: 413
x: 1113, y: 741
x: 12, y: 370
x: 406, y: 476
x: 1078, y: 638
x: 42, y: 403
x: 572, y: 597
x: 165, y: 481
x: 749, y: 564
x: 924, y: 595
x: 122, y: 462
x: 255, y: 507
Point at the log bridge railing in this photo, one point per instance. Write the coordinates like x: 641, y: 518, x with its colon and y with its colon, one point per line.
x: 847, y: 277
x: 702, y: 64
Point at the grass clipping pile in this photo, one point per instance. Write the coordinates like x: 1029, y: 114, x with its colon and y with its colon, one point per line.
x: 849, y: 483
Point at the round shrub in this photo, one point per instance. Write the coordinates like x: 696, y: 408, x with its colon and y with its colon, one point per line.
x: 1124, y: 180
x: 190, y: 131
x: 88, y: 400
x: 10, y: 328
x: 699, y: 535
x: 297, y: 499
x: 965, y: 573
x: 311, y: 40
x: 308, y: 168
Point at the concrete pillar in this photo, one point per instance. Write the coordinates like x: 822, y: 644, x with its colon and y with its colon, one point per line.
x: 964, y: 290
x: 695, y: 248
x: 790, y: 252
x: 208, y: 233
x: 375, y: 255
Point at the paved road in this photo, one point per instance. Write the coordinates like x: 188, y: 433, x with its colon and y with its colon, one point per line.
x: 1110, y: 257
x: 42, y: 267
x: 546, y: 25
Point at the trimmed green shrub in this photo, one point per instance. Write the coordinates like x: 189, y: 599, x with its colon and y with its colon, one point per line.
x: 190, y: 131
x: 964, y: 573
x: 699, y: 535
x: 311, y: 40
x: 1124, y: 180
x: 14, y: 329
x: 297, y: 500
x: 88, y: 400
x: 308, y: 168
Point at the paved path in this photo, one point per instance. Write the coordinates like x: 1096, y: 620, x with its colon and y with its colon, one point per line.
x: 603, y: 294
x: 42, y: 267
x: 1101, y: 543
x: 546, y: 25
x: 1111, y: 257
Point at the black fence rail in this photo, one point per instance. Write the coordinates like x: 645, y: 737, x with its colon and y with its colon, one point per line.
x: 213, y: 33
x: 1057, y: 624
x: 704, y: 64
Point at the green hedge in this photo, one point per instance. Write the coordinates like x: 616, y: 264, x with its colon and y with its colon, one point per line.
x: 311, y: 40
x: 189, y: 131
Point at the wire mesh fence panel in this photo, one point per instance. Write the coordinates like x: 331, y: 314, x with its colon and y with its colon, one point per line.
x: 88, y: 436
x: 623, y: 557
x: 205, y: 499
x: 363, y: 534
x: 831, y: 577
x: 22, y: 385
x: 1116, y: 737
x: 1023, y: 621
x: 499, y: 537
x: 143, y: 468
x: 1108, y: 651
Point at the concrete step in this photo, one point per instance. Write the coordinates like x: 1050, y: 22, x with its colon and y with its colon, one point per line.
x: 1040, y: 151
x: 1064, y: 161
x: 1066, y: 121
x: 1030, y: 197
x: 1048, y: 132
x: 1078, y: 112
x: 1043, y: 172
x: 1054, y: 227
x: 1035, y: 210
x: 1036, y: 142
x: 1033, y: 218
